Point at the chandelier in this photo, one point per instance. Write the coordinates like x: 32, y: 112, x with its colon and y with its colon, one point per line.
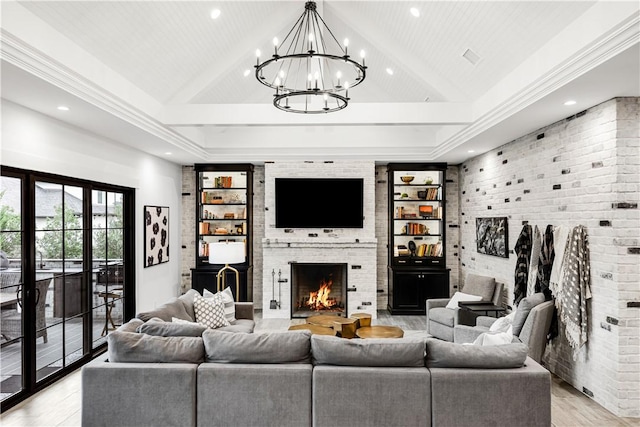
x: 306, y: 76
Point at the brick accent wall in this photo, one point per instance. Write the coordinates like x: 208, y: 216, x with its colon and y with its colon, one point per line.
x: 581, y: 170
x: 188, y: 248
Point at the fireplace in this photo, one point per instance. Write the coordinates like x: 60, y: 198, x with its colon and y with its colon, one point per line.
x: 318, y: 288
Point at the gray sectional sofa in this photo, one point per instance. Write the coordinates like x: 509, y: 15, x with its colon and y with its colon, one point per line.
x: 293, y: 378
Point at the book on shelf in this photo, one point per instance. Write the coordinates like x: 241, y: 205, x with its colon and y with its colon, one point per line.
x: 414, y: 228
x: 223, y: 181
x: 204, y: 228
x: 429, y: 250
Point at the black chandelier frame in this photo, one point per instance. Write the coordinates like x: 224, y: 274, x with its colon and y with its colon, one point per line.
x: 334, y: 99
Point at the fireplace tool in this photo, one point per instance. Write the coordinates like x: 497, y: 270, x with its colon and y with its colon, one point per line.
x: 273, y: 304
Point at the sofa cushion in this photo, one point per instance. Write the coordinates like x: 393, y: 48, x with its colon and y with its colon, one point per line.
x: 442, y: 315
x: 170, y: 329
x: 131, y: 326
x: 398, y: 352
x: 209, y: 312
x: 272, y: 347
x: 483, y: 286
x: 227, y: 299
x: 173, y: 308
x: 240, y: 325
x: 142, y: 348
x: 461, y: 296
x: 187, y: 301
x: 522, y: 312
x: 442, y: 354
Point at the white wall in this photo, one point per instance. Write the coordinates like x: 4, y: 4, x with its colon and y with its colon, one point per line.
x: 584, y: 170
x: 33, y: 141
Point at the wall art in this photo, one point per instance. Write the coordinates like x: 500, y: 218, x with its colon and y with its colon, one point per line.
x: 156, y: 235
x: 492, y: 236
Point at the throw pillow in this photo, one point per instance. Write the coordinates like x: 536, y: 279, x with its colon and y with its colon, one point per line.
x: 229, y: 304
x: 272, y: 347
x: 209, y: 312
x: 522, y: 312
x: 495, y: 338
x: 503, y: 323
x: 461, y: 296
x: 187, y: 301
x: 173, y: 308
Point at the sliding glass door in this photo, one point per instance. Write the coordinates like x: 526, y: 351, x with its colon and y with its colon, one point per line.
x: 11, y: 267
x: 67, y: 282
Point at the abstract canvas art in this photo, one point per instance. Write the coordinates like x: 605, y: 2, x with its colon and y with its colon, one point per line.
x: 492, y: 236
x: 156, y: 235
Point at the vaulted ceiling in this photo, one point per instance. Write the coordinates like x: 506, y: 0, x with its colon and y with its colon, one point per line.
x: 163, y: 76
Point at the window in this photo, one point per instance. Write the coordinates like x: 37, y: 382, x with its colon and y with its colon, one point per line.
x: 75, y: 274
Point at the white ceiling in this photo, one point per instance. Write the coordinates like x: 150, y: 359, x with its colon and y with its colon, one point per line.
x: 163, y: 76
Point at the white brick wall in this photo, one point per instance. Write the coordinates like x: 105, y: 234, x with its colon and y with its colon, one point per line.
x: 353, y: 246
x: 188, y: 250
x: 593, y: 162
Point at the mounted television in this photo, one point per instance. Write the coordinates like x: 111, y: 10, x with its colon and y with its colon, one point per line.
x: 319, y: 203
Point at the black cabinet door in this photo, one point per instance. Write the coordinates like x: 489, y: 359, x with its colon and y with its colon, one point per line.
x: 406, y: 290
x: 409, y: 289
x: 435, y: 285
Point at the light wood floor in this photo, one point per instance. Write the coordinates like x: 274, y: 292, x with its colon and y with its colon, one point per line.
x: 59, y: 404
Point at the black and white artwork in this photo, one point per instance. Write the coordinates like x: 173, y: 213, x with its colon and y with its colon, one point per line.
x: 156, y: 235
x: 492, y: 236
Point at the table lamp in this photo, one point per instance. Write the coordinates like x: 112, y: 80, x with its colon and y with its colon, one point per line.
x: 227, y: 253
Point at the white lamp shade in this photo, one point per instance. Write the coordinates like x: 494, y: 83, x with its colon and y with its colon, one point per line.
x: 226, y: 253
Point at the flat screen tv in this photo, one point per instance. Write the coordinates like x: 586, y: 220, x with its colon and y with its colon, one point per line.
x: 319, y: 203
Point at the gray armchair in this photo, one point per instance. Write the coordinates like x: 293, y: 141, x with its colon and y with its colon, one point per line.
x: 442, y: 320
x: 530, y: 324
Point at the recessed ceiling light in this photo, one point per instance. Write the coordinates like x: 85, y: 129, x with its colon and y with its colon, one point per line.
x: 215, y: 13
x: 390, y: 71
x: 415, y: 12
x: 570, y: 102
x: 471, y: 151
x: 246, y: 73
x: 63, y: 108
x: 168, y: 153
x: 471, y: 56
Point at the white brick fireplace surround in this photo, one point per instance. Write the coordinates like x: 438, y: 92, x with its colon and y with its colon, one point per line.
x: 356, y: 247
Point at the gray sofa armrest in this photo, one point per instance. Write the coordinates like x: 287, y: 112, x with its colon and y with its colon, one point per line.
x: 244, y: 310
x: 437, y: 302
x: 485, y: 321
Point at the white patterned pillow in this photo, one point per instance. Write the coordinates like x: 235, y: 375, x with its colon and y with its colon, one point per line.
x: 229, y: 304
x: 209, y: 312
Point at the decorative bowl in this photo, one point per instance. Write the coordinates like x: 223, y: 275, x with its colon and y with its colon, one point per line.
x: 407, y: 178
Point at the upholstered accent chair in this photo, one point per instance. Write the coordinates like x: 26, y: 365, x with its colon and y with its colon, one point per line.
x: 441, y: 320
x: 530, y: 325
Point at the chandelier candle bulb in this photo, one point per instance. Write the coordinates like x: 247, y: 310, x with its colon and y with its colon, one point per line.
x: 310, y: 43
x: 258, y: 56
x: 362, y: 56
x: 275, y: 45
x: 346, y: 46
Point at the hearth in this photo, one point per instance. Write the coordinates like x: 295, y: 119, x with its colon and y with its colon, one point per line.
x: 318, y: 288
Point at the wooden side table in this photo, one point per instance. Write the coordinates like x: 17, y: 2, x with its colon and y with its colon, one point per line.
x: 380, y: 331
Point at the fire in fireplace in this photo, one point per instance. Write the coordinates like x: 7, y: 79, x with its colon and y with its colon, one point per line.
x: 318, y: 288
